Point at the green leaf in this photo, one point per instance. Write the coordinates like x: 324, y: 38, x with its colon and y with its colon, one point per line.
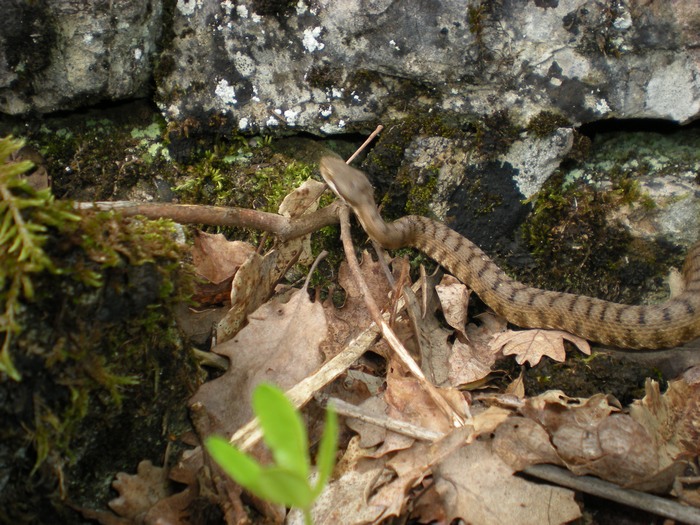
x: 279, y: 485
x: 242, y: 468
x: 283, y: 429
x: 274, y: 484
x: 327, y: 448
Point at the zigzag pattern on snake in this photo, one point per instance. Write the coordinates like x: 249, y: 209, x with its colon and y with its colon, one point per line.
x: 641, y: 327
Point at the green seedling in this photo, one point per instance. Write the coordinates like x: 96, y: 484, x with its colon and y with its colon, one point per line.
x: 286, y: 482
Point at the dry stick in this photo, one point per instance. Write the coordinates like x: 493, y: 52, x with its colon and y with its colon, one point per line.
x: 383, y: 421
x: 604, y: 489
x: 283, y: 227
x: 376, y: 132
x: 387, y: 332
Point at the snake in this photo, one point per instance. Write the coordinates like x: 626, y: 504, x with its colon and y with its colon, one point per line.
x: 643, y: 327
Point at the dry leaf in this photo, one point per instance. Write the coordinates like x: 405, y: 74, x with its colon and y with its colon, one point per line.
x: 522, y: 442
x: 345, y: 498
x: 410, y: 467
x: 216, y: 258
x: 409, y: 402
x: 346, y: 322
x: 454, y: 298
x: 280, y: 345
x: 470, y: 362
x: 531, y: 345
x: 139, y: 492
x: 255, y: 281
x: 478, y: 487
x: 372, y: 435
x: 301, y: 201
x: 673, y: 419
x: 431, y: 337
x: 252, y: 285
x: 591, y: 436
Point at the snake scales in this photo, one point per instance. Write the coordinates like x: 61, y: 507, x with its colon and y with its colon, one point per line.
x: 644, y: 327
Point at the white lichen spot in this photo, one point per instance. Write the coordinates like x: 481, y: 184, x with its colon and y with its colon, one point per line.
x: 228, y: 5
x: 393, y: 44
x: 138, y: 53
x: 622, y: 22
x: 255, y: 97
x: 272, y: 122
x: 337, y: 92
x: 301, y: 7
x: 225, y: 92
x: 187, y: 7
x: 325, y: 111
x: 87, y: 38
x: 601, y: 106
x: 244, y: 64
x: 291, y: 117
x: 243, y: 124
x: 341, y: 123
x: 242, y: 11
x: 310, y: 39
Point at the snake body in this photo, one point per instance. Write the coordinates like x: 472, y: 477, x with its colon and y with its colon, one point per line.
x: 640, y: 327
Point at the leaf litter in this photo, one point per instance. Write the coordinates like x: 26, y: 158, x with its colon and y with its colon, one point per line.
x: 404, y: 456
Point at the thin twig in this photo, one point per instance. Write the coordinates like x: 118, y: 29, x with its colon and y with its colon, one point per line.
x: 604, y: 489
x: 383, y: 421
x: 388, y: 334
x: 283, y: 227
x: 376, y: 132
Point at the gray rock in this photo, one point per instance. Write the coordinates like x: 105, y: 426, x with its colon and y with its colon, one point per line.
x: 343, y: 65
x: 59, y: 55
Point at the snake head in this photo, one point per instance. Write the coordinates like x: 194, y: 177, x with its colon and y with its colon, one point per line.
x: 348, y: 183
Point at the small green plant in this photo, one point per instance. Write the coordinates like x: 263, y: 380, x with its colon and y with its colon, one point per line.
x: 286, y: 482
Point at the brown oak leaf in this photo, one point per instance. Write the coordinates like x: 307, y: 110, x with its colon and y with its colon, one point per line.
x: 531, y: 345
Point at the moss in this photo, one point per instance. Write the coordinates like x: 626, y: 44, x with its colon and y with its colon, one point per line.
x: 488, y: 201
x: 495, y: 133
x: 102, y: 155
x: 483, y: 17
x: 323, y: 76
x: 92, y: 339
x: 546, y: 122
x: 420, y: 195
x: 568, y: 232
x: 279, y: 9
x: 388, y: 153
x: 26, y: 215
x: 98, y: 342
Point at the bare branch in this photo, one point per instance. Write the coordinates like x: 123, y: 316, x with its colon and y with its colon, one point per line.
x: 282, y: 227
